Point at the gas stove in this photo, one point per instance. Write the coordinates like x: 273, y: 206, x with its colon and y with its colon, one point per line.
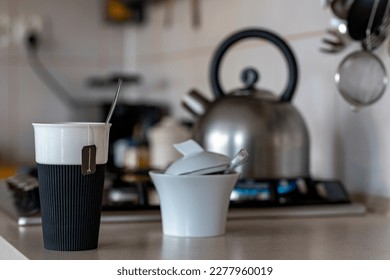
x: 132, y: 190
x: 131, y: 197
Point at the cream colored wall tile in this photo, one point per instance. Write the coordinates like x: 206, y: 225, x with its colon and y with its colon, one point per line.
x: 4, y: 118
x: 78, y: 44
x: 4, y: 143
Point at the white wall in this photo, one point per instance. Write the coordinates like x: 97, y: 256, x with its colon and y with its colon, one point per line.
x: 77, y: 44
x: 345, y: 145
x: 353, y: 147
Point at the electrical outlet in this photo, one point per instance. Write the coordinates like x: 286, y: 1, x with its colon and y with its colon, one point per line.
x: 14, y: 31
x: 24, y: 25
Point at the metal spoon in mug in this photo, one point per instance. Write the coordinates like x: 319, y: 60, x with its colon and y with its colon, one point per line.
x: 240, y: 158
x: 114, y: 101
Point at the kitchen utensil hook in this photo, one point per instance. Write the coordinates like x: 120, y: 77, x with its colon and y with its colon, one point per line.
x: 370, y: 22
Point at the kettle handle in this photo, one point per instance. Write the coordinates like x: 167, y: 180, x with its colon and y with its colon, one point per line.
x: 262, y: 34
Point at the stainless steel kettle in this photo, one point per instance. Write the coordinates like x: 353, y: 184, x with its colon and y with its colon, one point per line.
x: 267, y: 125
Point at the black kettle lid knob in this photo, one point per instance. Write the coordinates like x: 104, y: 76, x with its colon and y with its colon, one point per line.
x: 249, y: 77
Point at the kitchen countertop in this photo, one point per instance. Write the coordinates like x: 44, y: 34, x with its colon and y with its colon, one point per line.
x: 343, y: 237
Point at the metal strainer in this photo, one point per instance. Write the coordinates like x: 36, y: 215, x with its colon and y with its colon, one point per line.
x: 361, y: 78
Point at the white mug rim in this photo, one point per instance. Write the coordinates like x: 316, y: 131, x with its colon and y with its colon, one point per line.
x: 59, y: 142
x: 70, y: 124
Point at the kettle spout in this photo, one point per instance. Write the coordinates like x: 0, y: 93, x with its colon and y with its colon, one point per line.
x: 195, y: 103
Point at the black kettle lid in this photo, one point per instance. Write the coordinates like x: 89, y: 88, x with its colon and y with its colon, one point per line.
x: 249, y: 78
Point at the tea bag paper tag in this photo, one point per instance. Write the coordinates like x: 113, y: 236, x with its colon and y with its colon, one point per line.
x: 88, y: 160
x: 189, y: 147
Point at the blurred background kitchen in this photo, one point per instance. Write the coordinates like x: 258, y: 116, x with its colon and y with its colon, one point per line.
x: 162, y: 49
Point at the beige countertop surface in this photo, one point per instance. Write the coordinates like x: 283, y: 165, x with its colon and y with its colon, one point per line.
x: 339, y: 237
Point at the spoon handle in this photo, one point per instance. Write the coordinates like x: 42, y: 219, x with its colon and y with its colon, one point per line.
x: 114, y: 102
x: 240, y: 158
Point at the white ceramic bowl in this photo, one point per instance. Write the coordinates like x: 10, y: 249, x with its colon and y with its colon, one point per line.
x: 194, y: 205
